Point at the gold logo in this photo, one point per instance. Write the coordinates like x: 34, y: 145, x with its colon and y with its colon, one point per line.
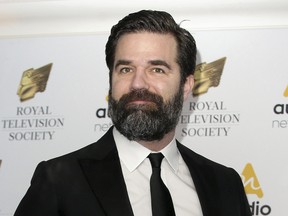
x: 250, y: 181
x: 33, y: 81
x: 286, y: 92
x: 207, y: 75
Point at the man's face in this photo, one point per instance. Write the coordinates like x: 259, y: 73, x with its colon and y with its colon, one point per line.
x: 146, y: 98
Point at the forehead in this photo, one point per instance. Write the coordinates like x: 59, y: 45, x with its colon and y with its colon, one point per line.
x: 146, y: 43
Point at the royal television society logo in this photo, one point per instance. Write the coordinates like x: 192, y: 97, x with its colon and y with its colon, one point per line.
x: 32, y: 123
x: 252, y: 187
x: 207, y: 75
x: 209, y: 118
x: 33, y: 81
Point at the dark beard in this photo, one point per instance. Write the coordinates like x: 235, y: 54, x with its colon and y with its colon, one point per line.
x: 145, y: 122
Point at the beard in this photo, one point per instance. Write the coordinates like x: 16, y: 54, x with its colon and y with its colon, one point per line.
x: 145, y: 122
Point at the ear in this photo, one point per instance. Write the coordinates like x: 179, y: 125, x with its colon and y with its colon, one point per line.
x: 188, y: 86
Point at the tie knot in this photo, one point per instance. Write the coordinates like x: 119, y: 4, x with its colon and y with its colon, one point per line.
x: 156, y: 159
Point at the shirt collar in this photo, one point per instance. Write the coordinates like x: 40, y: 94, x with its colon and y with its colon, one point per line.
x: 132, y: 153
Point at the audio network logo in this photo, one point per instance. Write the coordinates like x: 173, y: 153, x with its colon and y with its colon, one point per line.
x: 102, y: 115
x: 252, y: 186
x: 286, y: 92
x: 33, y: 81
x: 250, y: 180
x: 282, y: 108
x: 281, y: 111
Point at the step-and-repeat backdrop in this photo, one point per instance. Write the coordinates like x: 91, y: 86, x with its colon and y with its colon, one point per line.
x: 53, y: 96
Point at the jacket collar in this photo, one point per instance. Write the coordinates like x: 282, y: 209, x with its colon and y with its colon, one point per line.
x: 204, y: 180
x: 104, y: 175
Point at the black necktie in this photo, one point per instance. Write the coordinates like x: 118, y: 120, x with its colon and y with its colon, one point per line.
x: 162, y: 204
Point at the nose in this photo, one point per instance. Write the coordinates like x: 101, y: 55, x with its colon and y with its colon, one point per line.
x: 139, y: 80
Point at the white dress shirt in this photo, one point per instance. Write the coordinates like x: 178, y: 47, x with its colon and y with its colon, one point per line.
x: 137, y: 171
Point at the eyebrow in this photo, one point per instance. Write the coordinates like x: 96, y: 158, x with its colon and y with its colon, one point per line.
x: 122, y: 62
x: 160, y: 62
x: 152, y: 62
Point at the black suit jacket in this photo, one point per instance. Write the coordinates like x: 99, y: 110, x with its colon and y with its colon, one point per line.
x: 89, y: 182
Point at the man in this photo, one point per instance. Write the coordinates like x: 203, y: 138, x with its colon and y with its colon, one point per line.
x: 151, y: 62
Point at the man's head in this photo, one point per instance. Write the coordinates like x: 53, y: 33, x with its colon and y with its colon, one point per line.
x: 159, y: 22
x: 151, y: 62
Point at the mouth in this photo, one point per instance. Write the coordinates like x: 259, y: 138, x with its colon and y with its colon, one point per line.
x: 142, y: 104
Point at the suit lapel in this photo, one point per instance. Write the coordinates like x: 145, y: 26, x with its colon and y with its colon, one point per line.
x: 104, y: 175
x: 204, y: 180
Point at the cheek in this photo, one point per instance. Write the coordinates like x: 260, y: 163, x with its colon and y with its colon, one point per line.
x: 167, y: 90
x: 118, y: 88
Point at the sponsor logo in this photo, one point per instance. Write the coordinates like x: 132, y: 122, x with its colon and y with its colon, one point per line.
x: 250, y: 180
x: 103, y: 121
x: 207, y: 118
x: 252, y: 187
x: 102, y: 112
x: 280, y: 111
x: 32, y: 123
x: 207, y: 75
x: 33, y: 81
x: 286, y: 92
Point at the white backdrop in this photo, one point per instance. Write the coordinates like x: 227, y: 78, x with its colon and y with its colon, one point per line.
x: 253, y: 82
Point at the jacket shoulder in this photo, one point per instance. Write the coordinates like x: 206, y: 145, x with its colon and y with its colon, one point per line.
x: 96, y: 150
x: 207, y: 167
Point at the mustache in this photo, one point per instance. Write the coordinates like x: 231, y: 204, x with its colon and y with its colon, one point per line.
x: 141, y: 94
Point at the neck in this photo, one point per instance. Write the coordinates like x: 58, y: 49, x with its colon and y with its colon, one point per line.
x: 158, y: 145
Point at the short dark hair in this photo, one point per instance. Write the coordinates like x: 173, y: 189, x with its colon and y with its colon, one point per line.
x: 156, y: 22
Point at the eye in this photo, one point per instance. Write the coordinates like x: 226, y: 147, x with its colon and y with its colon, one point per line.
x: 125, y: 70
x: 158, y: 70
